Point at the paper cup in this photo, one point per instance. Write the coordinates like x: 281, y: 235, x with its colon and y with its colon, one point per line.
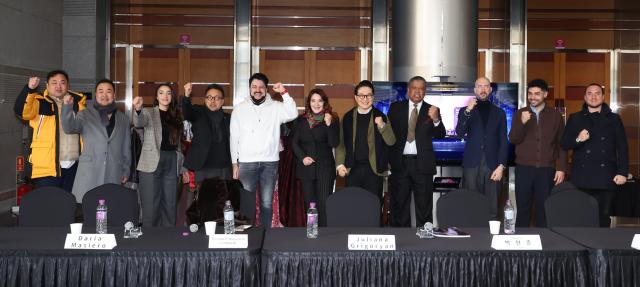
x: 76, y: 228
x: 494, y: 227
x: 210, y: 227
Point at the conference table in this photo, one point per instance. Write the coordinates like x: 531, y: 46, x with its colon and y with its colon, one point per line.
x: 613, y: 260
x: 291, y: 259
x: 160, y: 257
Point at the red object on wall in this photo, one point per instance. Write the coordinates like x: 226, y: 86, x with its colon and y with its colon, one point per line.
x: 21, y: 190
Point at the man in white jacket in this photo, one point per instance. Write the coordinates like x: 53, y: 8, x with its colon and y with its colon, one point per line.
x: 255, y: 140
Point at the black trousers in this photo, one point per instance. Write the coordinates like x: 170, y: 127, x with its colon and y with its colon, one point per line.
x: 533, y: 185
x: 362, y: 176
x: 605, y: 202
x: 479, y: 179
x: 402, y: 183
x: 318, y: 190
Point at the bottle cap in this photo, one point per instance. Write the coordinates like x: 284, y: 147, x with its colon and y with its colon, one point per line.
x: 101, y: 201
x: 312, y: 204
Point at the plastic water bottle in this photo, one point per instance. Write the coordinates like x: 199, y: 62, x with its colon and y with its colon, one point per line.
x: 101, y: 217
x: 312, y: 221
x: 509, y: 218
x: 229, y: 223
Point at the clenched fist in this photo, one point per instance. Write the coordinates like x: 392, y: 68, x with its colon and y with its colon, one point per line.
x: 433, y: 113
x: 472, y: 103
x: 583, y: 136
x: 525, y: 117
x: 137, y: 103
x: 279, y: 88
x: 379, y: 122
x: 187, y: 89
x: 327, y: 119
x: 68, y: 99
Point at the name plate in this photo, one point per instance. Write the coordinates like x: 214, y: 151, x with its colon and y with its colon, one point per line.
x: 371, y: 242
x: 516, y: 242
x: 229, y: 241
x: 90, y: 241
x: 635, y: 244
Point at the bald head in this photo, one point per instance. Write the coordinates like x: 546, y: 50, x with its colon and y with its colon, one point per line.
x: 482, y: 88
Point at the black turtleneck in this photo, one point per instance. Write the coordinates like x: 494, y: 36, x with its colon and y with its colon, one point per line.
x: 484, y: 107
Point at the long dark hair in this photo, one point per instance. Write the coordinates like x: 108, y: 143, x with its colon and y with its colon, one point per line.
x: 326, y: 107
x: 174, y: 119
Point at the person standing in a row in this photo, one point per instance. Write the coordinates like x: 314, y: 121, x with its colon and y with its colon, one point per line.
x: 255, y: 140
x: 366, y: 136
x: 536, y: 131
x: 415, y: 124
x: 315, y: 135
x: 600, y: 160
x: 484, y: 128
x: 161, y: 158
x: 106, y: 152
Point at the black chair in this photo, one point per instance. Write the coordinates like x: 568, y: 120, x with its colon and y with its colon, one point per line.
x: 122, y: 205
x: 47, y: 207
x: 567, y: 206
x: 353, y: 207
x: 463, y: 208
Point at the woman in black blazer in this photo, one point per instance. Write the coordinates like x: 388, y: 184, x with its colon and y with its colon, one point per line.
x: 315, y: 134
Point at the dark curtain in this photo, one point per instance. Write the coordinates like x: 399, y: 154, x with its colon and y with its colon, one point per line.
x: 292, y: 213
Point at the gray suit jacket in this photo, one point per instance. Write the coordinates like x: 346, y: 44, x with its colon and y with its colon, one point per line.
x: 104, y: 159
x: 149, y: 119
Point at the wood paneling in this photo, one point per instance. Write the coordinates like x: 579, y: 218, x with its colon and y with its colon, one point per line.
x: 312, y: 37
x: 159, y: 35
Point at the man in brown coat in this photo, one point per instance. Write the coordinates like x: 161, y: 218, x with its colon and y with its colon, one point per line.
x: 536, y: 131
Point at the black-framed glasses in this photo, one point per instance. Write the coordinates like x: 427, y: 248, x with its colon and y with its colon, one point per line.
x: 362, y: 97
x: 210, y: 98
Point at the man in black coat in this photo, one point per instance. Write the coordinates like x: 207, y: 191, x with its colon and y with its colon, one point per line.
x: 413, y: 164
x: 209, y: 154
x: 600, y: 160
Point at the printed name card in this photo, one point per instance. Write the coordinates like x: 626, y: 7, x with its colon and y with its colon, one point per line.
x: 371, y: 242
x: 90, y: 241
x: 635, y: 244
x: 516, y: 242
x: 229, y: 241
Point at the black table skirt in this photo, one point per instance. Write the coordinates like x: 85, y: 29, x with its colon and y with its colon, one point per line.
x: 161, y: 257
x: 416, y: 262
x: 613, y: 260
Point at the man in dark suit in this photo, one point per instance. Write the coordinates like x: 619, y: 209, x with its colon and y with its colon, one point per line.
x: 600, y: 160
x: 415, y: 123
x: 484, y: 128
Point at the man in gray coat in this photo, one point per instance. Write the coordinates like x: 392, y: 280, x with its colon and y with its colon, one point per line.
x: 106, y: 153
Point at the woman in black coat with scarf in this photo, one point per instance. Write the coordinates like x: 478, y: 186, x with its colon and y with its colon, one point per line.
x: 315, y: 134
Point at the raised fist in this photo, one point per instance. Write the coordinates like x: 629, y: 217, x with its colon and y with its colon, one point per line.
x: 187, y: 89
x: 279, y: 88
x: 433, y: 113
x: 137, y: 103
x: 379, y: 122
x: 525, y: 117
x: 472, y: 103
x: 327, y: 119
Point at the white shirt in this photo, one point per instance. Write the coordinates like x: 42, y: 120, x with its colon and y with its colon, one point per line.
x: 255, y: 130
x: 410, y: 148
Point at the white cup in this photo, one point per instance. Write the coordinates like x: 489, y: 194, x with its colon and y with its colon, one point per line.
x: 210, y: 227
x: 494, y: 227
x: 76, y: 228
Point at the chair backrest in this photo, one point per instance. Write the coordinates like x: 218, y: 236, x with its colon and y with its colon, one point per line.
x: 353, y: 207
x: 47, y: 206
x: 567, y: 206
x: 122, y: 205
x: 463, y: 208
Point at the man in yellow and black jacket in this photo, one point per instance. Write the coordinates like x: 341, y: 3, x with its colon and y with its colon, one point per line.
x: 54, y: 154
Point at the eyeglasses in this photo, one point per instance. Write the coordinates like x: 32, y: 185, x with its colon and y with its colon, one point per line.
x: 210, y: 98
x: 362, y: 97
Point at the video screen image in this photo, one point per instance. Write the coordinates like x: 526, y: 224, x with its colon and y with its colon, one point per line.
x: 450, y: 98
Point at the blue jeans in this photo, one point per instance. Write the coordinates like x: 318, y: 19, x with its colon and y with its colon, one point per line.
x: 263, y: 174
